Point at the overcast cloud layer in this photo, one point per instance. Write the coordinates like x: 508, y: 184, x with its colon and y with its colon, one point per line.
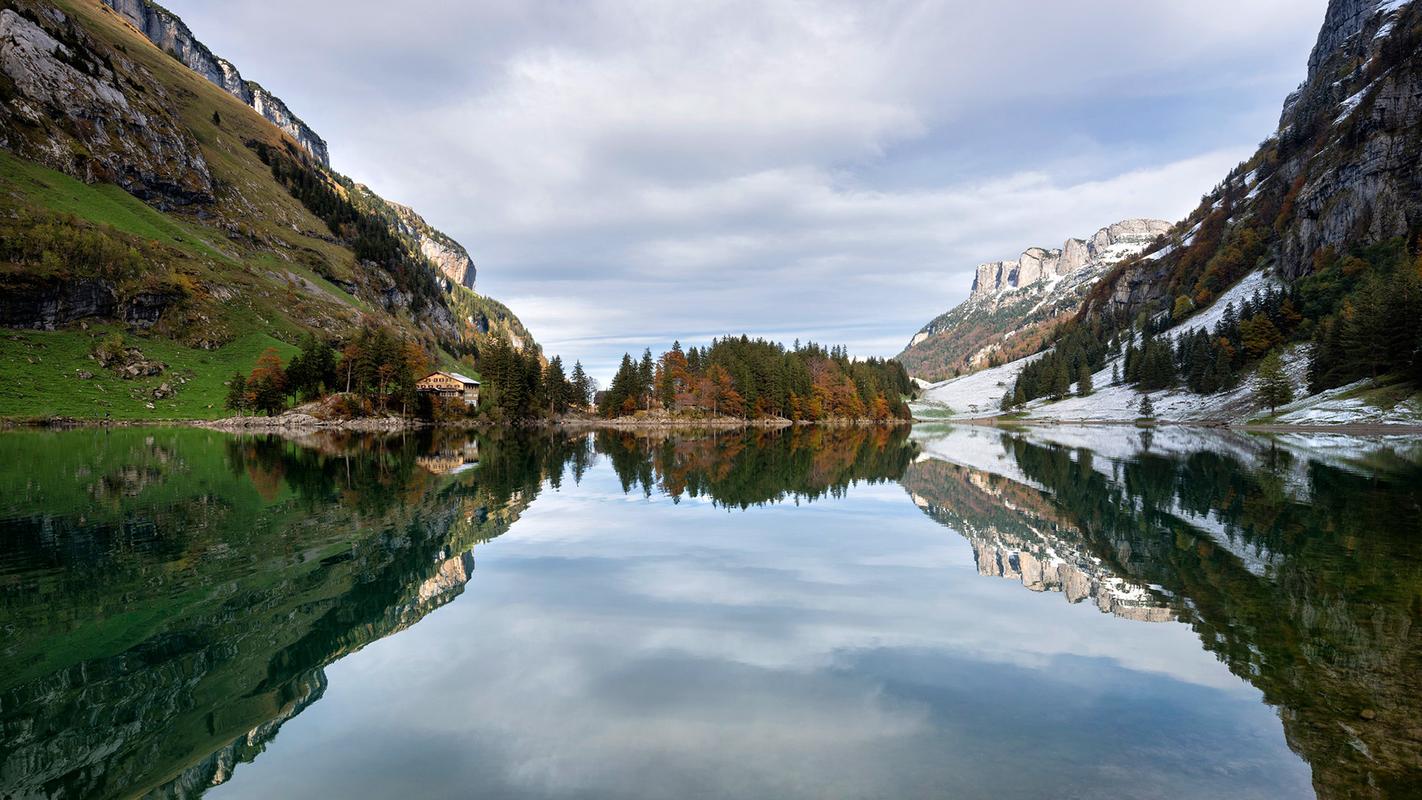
x: 628, y: 172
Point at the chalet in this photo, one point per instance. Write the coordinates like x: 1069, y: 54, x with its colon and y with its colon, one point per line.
x: 450, y: 385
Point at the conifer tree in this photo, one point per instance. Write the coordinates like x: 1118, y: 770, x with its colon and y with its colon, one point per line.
x: 237, y: 393
x: 1147, y: 407
x: 1083, y: 381
x: 1274, y: 388
x: 582, y: 386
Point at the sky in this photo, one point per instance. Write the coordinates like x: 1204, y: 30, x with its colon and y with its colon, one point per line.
x: 630, y: 172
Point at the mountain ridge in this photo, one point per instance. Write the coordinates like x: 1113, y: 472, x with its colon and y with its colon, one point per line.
x: 168, y: 31
x: 983, y: 328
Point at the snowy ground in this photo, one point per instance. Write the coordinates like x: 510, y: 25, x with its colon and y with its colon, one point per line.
x: 1332, y: 408
x: 979, y: 395
x: 976, y: 395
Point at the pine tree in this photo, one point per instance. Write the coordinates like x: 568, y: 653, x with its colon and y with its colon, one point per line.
x: 582, y: 386
x: 237, y: 393
x: 1061, y: 380
x: 1274, y: 388
x: 1147, y: 408
x: 1083, y: 381
x: 646, y: 378
x: 1115, y: 374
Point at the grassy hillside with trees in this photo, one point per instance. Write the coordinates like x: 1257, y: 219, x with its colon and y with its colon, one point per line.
x: 192, y: 228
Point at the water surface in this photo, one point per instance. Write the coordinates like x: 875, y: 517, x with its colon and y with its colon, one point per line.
x: 816, y: 613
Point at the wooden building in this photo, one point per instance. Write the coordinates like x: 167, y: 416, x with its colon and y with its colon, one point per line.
x: 450, y: 385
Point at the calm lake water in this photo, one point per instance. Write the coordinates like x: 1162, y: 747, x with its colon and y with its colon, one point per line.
x: 964, y: 612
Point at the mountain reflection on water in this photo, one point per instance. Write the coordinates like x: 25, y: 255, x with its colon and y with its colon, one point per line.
x: 170, y: 598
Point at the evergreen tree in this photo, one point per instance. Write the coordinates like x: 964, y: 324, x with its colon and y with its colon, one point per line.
x: 1083, y: 381
x: 1061, y: 380
x: 557, y: 391
x: 582, y: 386
x: 1274, y: 388
x: 646, y: 378
x: 237, y: 393
x: 1147, y: 407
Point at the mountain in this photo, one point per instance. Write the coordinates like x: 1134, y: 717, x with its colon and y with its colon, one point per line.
x: 1340, y: 173
x: 1015, y: 304
x: 1309, y: 251
x: 152, y: 197
x: 164, y: 29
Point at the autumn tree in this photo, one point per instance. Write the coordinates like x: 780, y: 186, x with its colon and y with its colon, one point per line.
x: 266, y: 385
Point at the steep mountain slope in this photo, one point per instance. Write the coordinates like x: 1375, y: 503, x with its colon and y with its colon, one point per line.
x: 1340, y: 173
x: 140, y: 198
x: 1309, y: 250
x: 164, y: 29
x: 1015, y: 304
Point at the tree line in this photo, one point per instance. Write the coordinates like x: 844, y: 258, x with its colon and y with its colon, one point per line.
x: 376, y: 370
x: 757, y: 379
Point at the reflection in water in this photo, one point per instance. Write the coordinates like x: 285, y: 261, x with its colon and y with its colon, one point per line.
x: 1298, y: 563
x: 171, y: 598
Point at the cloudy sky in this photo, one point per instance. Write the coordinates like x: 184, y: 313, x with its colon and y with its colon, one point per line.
x: 627, y: 172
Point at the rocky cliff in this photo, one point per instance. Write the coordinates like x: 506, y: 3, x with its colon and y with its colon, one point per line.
x: 166, y: 30
x: 1341, y: 172
x: 74, y: 105
x: 450, y: 256
x: 1014, y: 303
x: 1108, y: 245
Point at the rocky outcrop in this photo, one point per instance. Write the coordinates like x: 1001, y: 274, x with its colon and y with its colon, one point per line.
x: 1011, y: 298
x: 448, y: 255
x: 65, y: 105
x: 170, y: 34
x: 1109, y: 244
x: 42, y: 304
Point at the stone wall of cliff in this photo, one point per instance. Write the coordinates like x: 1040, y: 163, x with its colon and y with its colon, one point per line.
x: 1341, y: 172
x: 169, y: 32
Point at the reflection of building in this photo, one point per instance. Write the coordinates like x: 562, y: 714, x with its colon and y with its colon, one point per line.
x: 447, y: 462
x: 450, y: 385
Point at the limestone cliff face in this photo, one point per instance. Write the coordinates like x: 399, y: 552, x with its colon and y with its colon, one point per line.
x: 170, y: 33
x: 448, y: 255
x: 1011, y: 300
x: 1109, y: 244
x: 67, y: 106
x: 1342, y: 170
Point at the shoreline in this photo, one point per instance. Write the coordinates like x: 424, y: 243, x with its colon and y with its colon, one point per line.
x: 305, y: 423
x: 1349, y: 428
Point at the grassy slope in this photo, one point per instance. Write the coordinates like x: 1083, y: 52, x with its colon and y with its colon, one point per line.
x: 262, y: 287
x: 270, y: 309
x: 39, y: 375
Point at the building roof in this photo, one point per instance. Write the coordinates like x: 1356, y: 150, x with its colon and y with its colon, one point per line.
x: 464, y: 379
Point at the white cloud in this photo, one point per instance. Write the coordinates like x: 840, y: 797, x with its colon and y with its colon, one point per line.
x: 629, y: 172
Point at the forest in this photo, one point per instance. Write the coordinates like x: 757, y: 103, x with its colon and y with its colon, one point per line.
x: 758, y: 379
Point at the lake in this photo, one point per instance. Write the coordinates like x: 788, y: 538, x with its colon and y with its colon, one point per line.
x: 851, y: 613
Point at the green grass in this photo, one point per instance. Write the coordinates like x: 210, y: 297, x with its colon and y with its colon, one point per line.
x: 39, y: 376
x: 103, y: 203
